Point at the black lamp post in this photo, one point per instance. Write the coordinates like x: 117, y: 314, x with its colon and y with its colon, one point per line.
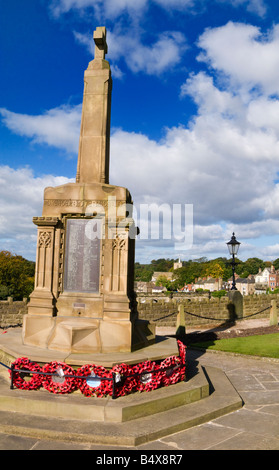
x: 233, y: 246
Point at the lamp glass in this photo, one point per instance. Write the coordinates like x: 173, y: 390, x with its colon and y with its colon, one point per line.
x: 233, y: 245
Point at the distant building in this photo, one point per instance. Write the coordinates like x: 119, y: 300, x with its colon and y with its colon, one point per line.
x: 187, y: 288
x: 177, y: 265
x: 268, y: 278
x: 273, y: 280
x: 246, y: 286
x: 210, y: 284
x: 143, y: 287
x: 262, y: 278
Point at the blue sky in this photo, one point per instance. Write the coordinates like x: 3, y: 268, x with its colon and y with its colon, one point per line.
x: 195, y: 114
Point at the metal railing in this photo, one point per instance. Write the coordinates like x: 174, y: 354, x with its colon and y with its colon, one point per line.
x: 214, y: 319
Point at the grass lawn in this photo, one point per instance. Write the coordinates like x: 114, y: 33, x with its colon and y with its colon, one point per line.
x: 258, y: 345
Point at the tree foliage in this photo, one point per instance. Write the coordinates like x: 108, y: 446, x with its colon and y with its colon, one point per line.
x: 144, y: 272
x: 16, y: 276
x: 17, y: 273
x: 201, y: 268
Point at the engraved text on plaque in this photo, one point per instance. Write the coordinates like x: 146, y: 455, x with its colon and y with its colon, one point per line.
x: 82, y: 257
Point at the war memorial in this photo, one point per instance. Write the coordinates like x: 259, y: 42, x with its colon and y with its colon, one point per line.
x: 83, y: 354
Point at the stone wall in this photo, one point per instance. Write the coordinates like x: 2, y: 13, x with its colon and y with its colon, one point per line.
x: 153, y: 308
x: 215, y: 310
x: 256, y: 303
x: 11, y: 313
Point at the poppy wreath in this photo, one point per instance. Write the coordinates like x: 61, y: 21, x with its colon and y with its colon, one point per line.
x: 105, y: 387
x: 125, y: 382
x: 172, y: 370
x: 148, y: 376
x: 55, y: 383
x: 141, y: 377
x: 18, y: 377
x: 182, y: 351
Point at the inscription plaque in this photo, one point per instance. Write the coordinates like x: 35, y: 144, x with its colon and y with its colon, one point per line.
x: 82, y: 256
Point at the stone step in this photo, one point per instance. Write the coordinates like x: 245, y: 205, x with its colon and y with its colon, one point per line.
x: 221, y: 400
x: 76, y: 406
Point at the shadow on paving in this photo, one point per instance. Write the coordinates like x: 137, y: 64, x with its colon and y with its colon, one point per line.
x: 200, y: 336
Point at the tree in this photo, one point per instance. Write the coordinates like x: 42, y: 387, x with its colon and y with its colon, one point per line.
x: 170, y: 285
x: 162, y: 281
x: 252, y: 265
x: 143, y: 272
x: 162, y: 264
x: 199, y: 268
x: 188, y: 273
x: 214, y: 270
x: 276, y: 264
x: 16, y: 276
x: 219, y: 293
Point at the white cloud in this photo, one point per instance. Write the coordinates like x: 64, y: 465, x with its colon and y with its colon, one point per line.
x: 21, y: 198
x: 102, y: 8
x: 85, y: 40
x: 112, y: 9
x: 210, y: 99
x: 176, y: 4
x: 57, y: 127
x: 264, y: 114
x: 258, y: 7
x: 270, y: 252
x: 245, y: 55
x: 193, y: 167
x: 170, y: 46
x: 160, y: 56
x: 152, y: 59
x: 224, y: 162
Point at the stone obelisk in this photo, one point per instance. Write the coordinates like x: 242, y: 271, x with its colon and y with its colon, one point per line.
x: 93, y: 158
x: 83, y: 300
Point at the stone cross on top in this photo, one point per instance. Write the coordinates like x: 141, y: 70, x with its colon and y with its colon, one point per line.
x: 93, y: 156
x: 101, y: 47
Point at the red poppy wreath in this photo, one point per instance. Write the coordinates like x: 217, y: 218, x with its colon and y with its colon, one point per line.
x: 57, y: 381
x: 125, y: 382
x: 26, y: 381
x: 171, y: 369
x: 94, y: 384
x: 148, y: 376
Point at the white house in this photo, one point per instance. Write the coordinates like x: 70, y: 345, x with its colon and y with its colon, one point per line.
x: 262, y: 277
x: 210, y: 284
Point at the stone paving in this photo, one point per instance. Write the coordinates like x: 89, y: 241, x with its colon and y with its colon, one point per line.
x: 254, y: 427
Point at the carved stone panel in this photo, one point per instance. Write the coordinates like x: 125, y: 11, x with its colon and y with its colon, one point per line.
x: 82, y: 255
x: 44, y: 240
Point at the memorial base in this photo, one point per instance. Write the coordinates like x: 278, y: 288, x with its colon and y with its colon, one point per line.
x: 86, y: 335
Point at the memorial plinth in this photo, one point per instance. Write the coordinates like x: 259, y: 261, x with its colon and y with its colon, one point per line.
x: 84, y: 300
